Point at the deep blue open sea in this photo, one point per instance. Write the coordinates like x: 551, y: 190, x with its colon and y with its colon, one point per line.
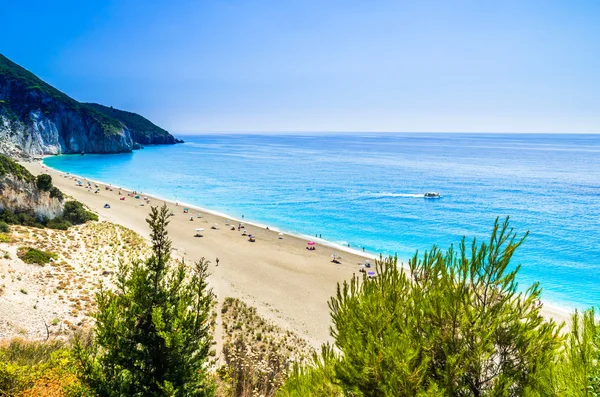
x: 363, y: 189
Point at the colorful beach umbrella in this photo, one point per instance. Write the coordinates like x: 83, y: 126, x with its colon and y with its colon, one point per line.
x: 311, y: 243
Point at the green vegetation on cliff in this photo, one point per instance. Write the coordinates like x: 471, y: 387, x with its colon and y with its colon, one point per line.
x: 10, y: 167
x: 27, y: 102
x: 30, y: 93
x: 74, y: 213
x: 142, y: 130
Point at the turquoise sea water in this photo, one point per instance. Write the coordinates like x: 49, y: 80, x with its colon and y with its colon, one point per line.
x: 364, y: 190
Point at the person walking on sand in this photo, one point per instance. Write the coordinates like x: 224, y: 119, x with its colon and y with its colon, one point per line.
x: 217, y: 260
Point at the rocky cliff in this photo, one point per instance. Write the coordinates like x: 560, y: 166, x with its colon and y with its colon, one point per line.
x: 142, y: 130
x: 37, y: 119
x: 19, y: 193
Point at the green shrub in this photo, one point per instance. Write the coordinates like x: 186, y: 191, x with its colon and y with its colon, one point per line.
x: 9, y: 217
x: 28, y: 220
x: 58, y: 223
x: 4, y: 238
x: 44, y: 182
x: 4, y: 227
x: 453, y: 324
x: 34, y: 256
x: 76, y: 213
x: 56, y: 193
x: 10, y: 167
x: 30, y: 369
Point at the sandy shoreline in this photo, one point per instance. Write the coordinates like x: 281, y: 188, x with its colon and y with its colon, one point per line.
x: 285, y: 282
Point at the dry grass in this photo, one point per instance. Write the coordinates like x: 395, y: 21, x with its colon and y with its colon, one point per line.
x: 86, y: 259
x: 258, y: 354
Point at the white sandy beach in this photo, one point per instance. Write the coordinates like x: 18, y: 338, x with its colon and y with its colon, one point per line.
x: 280, y: 277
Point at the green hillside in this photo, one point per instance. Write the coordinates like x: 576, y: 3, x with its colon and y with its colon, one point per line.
x: 29, y: 105
x: 143, y: 130
x: 28, y: 92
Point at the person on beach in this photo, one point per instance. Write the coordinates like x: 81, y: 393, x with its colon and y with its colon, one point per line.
x: 217, y: 260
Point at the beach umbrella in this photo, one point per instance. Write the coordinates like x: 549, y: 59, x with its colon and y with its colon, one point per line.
x: 200, y: 229
x: 227, y: 221
x: 311, y: 243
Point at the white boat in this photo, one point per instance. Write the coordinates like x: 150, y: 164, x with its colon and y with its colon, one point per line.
x: 431, y: 195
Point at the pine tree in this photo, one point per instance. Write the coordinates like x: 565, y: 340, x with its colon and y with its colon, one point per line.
x: 576, y: 372
x: 153, y: 332
x: 453, y: 324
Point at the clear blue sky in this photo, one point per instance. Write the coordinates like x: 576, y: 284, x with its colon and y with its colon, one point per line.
x: 347, y: 65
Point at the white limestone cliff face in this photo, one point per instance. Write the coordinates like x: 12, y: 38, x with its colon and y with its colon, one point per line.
x: 22, y: 196
x: 61, y: 132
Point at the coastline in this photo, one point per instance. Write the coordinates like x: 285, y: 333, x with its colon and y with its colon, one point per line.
x: 323, y: 242
x: 284, y: 281
x: 287, y: 284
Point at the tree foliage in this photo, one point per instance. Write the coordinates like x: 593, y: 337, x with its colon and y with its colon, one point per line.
x: 153, y: 332
x: 453, y: 324
x: 75, y: 213
x: 56, y: 193
x: 44, y: 182
x: 12, y: 168
x: 575, y: 370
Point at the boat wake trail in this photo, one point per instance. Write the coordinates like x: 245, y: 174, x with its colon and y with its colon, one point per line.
x: 389, y: 194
